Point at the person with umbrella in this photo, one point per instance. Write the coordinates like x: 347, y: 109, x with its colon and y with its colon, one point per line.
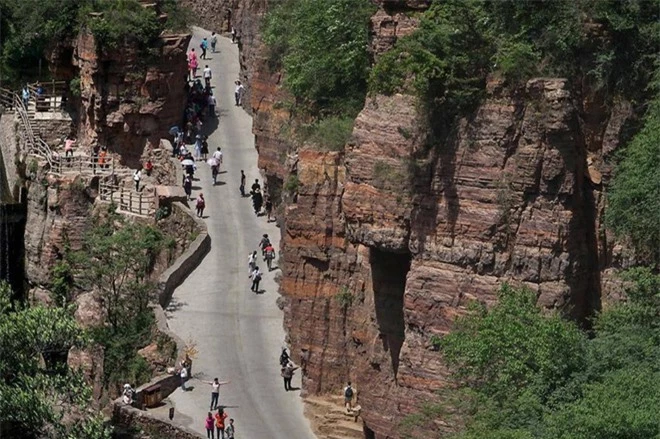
x: 189, y: 166
x: 213, y: 162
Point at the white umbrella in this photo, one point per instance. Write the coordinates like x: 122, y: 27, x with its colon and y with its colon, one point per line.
x: 187, y: 162
x: 212, y: 162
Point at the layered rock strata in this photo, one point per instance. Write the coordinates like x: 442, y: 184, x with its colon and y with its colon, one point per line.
x: 386, y: 242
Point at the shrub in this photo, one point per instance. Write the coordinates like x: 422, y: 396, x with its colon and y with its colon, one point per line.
x: 331, y: 133
x: 311, y: 40
x: 458, y: 43
x: 344, y: 298
x: 634, y: 198
x: 292, y: 184
x: 75, y: 86
x: 121, y: 21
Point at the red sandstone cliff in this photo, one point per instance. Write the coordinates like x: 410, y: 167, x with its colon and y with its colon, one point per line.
x: 128, y: 102
x: 386, y: 242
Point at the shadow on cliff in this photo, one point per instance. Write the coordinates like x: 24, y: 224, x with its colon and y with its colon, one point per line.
x: 434, y: 188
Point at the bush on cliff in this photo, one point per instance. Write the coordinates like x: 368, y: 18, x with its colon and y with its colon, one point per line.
x: 524, y: 373
x: 322, y: 47
x: 37, y: 388
x: 458, y: 43
x: 115, y: 22
x: 633, y: 209
x: 115, y: 261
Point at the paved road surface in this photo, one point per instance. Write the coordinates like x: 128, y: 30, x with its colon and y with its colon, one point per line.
x: 239, y: 334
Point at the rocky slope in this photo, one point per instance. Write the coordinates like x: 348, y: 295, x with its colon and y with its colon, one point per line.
x: 385, y: 243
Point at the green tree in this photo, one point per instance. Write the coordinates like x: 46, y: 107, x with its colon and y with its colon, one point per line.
x: 116, y: 259
x: 522, y: 373
x: 634, y: 196
x: 37, y: 389
x: 514, y: 359
x: 323, y: 49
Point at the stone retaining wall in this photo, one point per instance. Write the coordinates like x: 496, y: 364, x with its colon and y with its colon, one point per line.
x: 129, y: 417
x: 186, y: 263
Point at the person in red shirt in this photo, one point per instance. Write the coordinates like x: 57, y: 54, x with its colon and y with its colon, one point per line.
x: 220, y: 422
x: 148, y: 167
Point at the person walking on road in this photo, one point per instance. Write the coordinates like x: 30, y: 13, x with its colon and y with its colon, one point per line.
x: 257, y: 202
x: 205, y: 147
x: 233, y: 34
x: 230, y: 430
x: 284, y: 358
x: 214, y: 41
x: 242, y: 187
x: 269, y: 256
x: 207, y: 76
x: 287, y: 374
x: 215, y: 391
x: 256, y: 278
x: 214, y: 170
x: 193, y: 64
x: 209, y: 426
x: 184, y: 376
x: 218, y: 155
x: 200, y: 204
x: 212, y: 102
x: 269, y: 209
x: 220, y: 422
x: 238, y: 93
x: 187, y: 186
x: 252, y: 262
x: 198, y: 147
x: 256, y: 186
x: 203, y: 45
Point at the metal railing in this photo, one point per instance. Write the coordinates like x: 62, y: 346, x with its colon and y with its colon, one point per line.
x: 128, y: 200
x: 50, y: 100
x: 83, y: 164
x: 35, y: 145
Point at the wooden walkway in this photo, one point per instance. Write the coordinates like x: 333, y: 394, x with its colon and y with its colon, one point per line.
x: 126, y: 200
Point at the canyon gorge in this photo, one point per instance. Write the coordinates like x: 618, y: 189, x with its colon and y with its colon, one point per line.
x: 406, y: 235
x: 385, y: 241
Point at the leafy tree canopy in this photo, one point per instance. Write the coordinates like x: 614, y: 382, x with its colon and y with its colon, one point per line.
x: 36, y: 387
x: 525, y: 374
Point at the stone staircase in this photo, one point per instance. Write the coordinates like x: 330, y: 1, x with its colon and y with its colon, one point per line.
x: 330, y: 420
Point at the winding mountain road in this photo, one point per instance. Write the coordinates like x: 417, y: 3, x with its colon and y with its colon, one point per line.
x: 239, y: 334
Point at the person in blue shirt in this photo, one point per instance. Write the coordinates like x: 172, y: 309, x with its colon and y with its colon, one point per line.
x: 204, y: 45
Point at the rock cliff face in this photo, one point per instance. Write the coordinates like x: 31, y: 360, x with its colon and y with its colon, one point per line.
x: 128, y: 102
x: 386, y: 242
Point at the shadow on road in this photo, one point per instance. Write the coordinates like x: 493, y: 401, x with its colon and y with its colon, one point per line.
x: 174, y: 306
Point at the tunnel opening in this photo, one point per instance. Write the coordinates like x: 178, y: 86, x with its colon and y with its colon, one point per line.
x: 388, y: 273
x: 368, y: 433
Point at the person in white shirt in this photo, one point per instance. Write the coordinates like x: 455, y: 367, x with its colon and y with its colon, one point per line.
x: 215, y: 391
x: 256, y: 278
x: 212, y: 103
x: 207, y: 76
x: 238, y: 92
x: 214, y: 41
x: 137, y: 176
x: 252, y: 262
x: 218, y: 155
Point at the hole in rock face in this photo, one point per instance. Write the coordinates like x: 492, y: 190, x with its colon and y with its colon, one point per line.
x: 388, y: 274
x: 368, y: 433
